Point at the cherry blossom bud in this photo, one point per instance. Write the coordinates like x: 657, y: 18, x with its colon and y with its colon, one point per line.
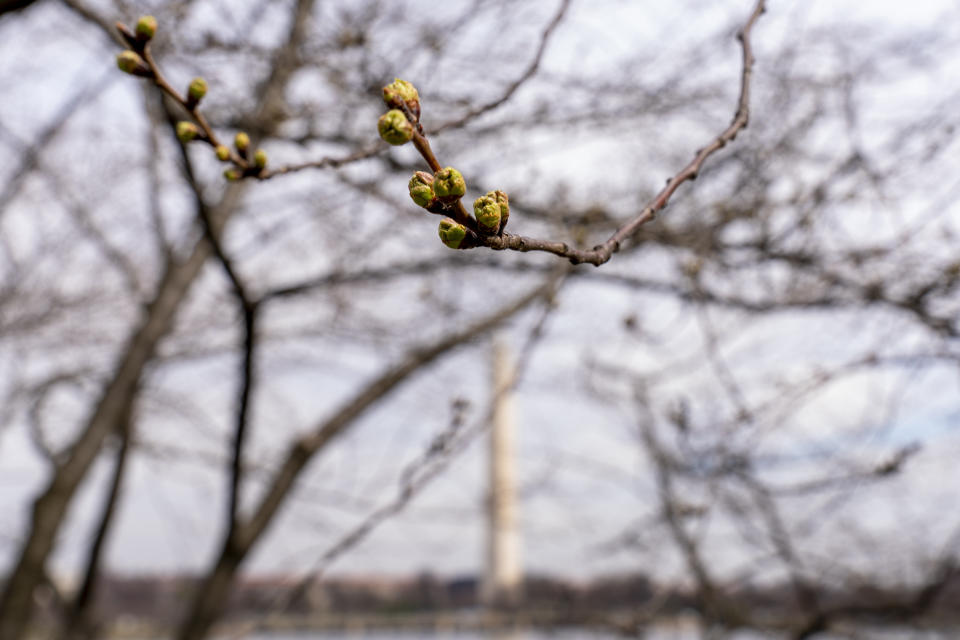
x: 448, y: 185
x: 195, y: 92
x: 242, y: 142
x: 187, y: 131
x: 395, y: 128
x: 401, y: 93
x: 452, y: 233
x: 146, y: 28
x: 421, y: 189
x: 130, y: 62
x: 504, y: 203
x: 260, y: 159
x: 487, y: 212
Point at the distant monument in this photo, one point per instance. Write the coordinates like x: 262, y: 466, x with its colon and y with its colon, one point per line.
x: 502, y: 581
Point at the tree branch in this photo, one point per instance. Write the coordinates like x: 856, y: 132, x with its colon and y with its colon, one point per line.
x: 212, y: 594
x: 603, y: 252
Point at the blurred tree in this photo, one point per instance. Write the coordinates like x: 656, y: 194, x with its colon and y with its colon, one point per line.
x: 7, y: 6
x: 783, y: 339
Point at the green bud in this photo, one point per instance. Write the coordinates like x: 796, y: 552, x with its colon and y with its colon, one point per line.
x: 146, y: 28
x: 241, y: 141
x: 452, y: 233
x: 233, y: 174
x: 196, y: 91
x: 260, y: 159
x: 187, y: 131
x: 504, y: 203
x: 487, y: 212
x: 223, y: 152
x: 401, y: 93
x: 394, y: 127
x: 130, y: 62
x: 448, y: 185
x: 421, y: 189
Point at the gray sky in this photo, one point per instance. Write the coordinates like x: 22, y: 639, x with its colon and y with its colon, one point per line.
x: 582, y: 473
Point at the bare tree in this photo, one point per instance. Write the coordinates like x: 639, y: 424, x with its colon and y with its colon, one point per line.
x: 158, y: 305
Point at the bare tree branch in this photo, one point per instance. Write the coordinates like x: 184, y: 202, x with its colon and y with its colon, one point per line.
x: 211, y: 595
x: 516, y: 84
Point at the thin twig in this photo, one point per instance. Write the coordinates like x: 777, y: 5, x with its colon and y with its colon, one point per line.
x: 209, y: 135
x: 325, y: 163
x: 603, y: 252
x: 212, y: 594
x: 516, y: 84
x: 440, y: 453
x: 374, y: 150
x: 80, y: 623
x: 248, y: 309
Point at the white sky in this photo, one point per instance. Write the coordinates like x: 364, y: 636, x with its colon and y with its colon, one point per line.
x: 163, y: 527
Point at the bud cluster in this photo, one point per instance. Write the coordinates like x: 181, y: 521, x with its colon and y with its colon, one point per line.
x: 437, y: 192
x: 241, y: 142
x: 441, y: 191
x: 137, y: 62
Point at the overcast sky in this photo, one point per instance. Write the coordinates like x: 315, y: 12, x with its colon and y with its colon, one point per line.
x: 163, y: 524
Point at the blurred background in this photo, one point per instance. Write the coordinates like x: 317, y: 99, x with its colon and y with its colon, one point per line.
x: 745, y: 425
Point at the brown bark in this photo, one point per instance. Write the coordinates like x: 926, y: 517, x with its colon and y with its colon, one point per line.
x: 80, y: 622
x: 118, y: 396
x: 114, y: 404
